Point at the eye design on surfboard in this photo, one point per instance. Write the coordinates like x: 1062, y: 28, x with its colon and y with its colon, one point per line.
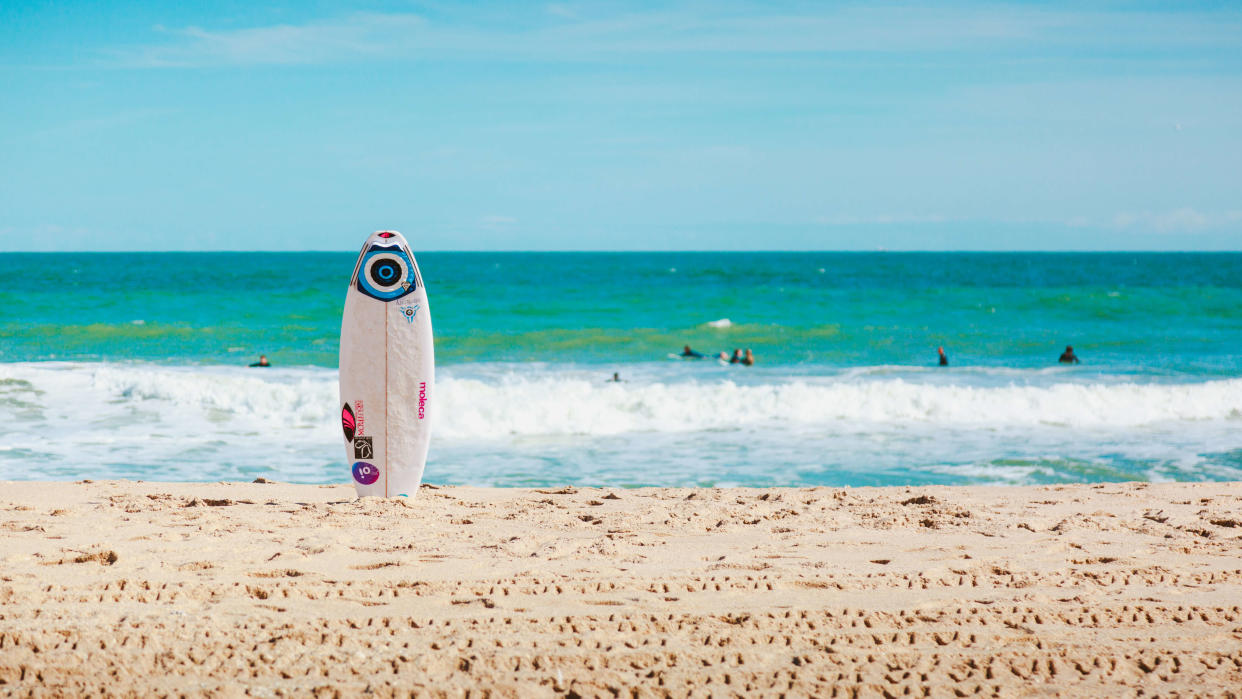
x: 386, y: 273
x: 347, y: 422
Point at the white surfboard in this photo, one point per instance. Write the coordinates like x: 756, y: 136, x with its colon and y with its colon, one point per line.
x: 387, y: 369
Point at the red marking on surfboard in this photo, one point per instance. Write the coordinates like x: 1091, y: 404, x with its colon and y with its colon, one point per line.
x: 385, y: 234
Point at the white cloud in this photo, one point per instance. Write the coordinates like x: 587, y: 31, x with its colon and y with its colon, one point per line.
x: 562, y: 31
x: 560, y: 9
x: 1184, y: 220
x: 357, y: 36
x: 100, y: 123
x: 882, y: 219
x: 494, y: 220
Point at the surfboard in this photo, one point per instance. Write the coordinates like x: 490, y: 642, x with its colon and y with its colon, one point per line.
x: 387, y: 369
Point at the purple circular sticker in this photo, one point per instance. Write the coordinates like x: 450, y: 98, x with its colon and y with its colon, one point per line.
x: 365, y: 473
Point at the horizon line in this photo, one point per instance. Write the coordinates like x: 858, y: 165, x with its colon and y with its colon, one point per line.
x: 678, y: 251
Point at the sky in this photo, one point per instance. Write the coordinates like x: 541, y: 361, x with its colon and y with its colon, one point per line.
x: 621, y: 126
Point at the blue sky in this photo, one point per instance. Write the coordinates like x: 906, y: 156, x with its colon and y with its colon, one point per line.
x: 608, y: 126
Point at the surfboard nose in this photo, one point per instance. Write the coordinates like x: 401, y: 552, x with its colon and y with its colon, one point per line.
x: 386, y: 269
x: 387, y: 238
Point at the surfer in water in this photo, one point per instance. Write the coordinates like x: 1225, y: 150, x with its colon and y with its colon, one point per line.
x: 1068, y: 356
x: 687, y: 353
x: 749, y: 359
x: 616, y: 378
x: 944, y: 358
x: 262, y: 361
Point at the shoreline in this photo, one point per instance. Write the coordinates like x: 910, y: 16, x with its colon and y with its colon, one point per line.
x: 133, y: 588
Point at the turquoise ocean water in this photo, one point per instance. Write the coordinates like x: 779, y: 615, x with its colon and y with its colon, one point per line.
x: 133, y: 365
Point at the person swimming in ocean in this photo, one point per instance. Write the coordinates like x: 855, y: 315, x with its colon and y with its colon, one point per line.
x: 616, y: 378
x: 687, y: 353
x: 1068, y: 356
x: 262, y: 361
x: 944, y: 358
x: 737, y: 356
x: 749, y: 359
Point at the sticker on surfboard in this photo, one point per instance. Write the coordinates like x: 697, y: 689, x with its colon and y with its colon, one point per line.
x: 365, y: 473
x: 348, y: 423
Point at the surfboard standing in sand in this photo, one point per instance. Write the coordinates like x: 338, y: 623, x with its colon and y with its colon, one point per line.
x: 387, y: 369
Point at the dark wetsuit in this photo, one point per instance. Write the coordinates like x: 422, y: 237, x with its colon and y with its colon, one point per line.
x: 1068, y: 358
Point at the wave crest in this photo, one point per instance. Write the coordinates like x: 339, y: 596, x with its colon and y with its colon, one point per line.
x: 472, y: 408
x: 560, y: 403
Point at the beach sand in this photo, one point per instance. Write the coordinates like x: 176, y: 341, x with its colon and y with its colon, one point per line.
x: 1086, y: 590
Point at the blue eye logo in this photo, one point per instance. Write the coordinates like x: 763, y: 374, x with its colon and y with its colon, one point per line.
x: 386, y: 273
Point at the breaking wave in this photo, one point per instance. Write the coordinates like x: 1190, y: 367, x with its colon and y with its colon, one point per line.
x: 542, y: 424
x: 552, y: 403
x: 473, y: 408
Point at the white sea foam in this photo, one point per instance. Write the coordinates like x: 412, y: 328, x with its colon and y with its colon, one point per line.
x: 569, y: 403
x: 84, y: 413
x: 722, y: 323
x: 473, y: 408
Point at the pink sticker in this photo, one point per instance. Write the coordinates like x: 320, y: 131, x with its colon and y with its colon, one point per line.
x: 347, y: 422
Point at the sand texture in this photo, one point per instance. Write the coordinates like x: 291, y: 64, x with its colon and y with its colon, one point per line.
x: 126, y: 588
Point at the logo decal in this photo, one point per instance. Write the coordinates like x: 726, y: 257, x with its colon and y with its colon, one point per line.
x: 386, y: 272
x: 410, y: 312
x: 347, y: 421
x: 363, y: 448
x: 422, y: 399
x: 365, y: 473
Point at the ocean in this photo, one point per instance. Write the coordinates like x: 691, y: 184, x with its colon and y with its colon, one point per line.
x: 135, y: 366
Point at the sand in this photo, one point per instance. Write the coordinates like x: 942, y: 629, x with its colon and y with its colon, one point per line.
x: 268, y: 589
